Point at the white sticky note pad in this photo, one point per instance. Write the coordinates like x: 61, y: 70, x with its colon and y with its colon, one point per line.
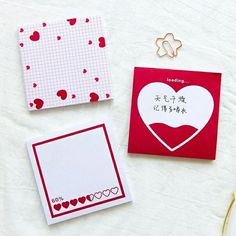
x: 64, y: 62
x: 78, y: 172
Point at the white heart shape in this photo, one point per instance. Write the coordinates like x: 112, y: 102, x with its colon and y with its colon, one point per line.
x: 114, y: 190
x: 106, y: 192
x: 199, y: 106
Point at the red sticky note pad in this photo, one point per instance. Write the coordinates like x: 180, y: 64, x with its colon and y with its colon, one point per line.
x: 174, y: 113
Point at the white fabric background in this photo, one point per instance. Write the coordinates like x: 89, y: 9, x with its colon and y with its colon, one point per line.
x: 172, y: 196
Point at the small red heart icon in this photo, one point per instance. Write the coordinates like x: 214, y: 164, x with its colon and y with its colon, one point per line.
x: 65, y: 204
x: 107, y: 95
x: 27, y: 67
x: 21, y: 45
x: 35, y: 36
x: 21, y: 30
x: 90, y: 42
x: 93, y: 97
x: 96, y: 79
x: 87, y: 20
x: 39, y: 103
x: 73, y: 202
x: 84, y: 71
x: 62, y: 94
x: 82, y: 200
x: 90, y: 197
x: 72, y: 21
x: 31, y: 104
x: 58, y: 37
x: 102, y: 42
x: 34, y: 85
x: 73, y: 96
x: 44, y: 24
x: 57, y: 207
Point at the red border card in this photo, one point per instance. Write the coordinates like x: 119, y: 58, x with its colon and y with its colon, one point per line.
x: 57, y: 208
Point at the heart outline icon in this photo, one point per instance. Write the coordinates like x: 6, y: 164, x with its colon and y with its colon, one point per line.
x: 114, y: 190
x: 193, y: 92
x: 98, y: 195
x: 106, y: 192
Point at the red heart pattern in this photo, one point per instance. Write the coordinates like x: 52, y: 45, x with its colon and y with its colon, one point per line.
x: 102, y: 42
x: 73, y: 202
x: 35, y: 36
x: 90, y: 197
x: 39, y: 103
x: 57, y: 207
x: 93, y: 97
x: 82, y: 200
x: 62, y: 94
x: 65, y: 204
x: 72, y: 21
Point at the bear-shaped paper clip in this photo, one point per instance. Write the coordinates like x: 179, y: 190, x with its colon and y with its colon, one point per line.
x: 168, y: 46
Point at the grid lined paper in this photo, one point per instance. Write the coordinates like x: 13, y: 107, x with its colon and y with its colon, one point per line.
x: 65, y: 57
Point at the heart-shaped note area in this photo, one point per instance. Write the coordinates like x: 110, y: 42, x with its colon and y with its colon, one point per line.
x: 174, y: 118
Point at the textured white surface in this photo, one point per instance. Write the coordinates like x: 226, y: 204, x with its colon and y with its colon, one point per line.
x: 172, y: 197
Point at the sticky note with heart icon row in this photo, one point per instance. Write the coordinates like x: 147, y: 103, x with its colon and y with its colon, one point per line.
x: 174, y: 113
x: 78, y: 171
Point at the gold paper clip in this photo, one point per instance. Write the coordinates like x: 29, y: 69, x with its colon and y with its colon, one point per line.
x: 226, y: 219
x: 168, y: 46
